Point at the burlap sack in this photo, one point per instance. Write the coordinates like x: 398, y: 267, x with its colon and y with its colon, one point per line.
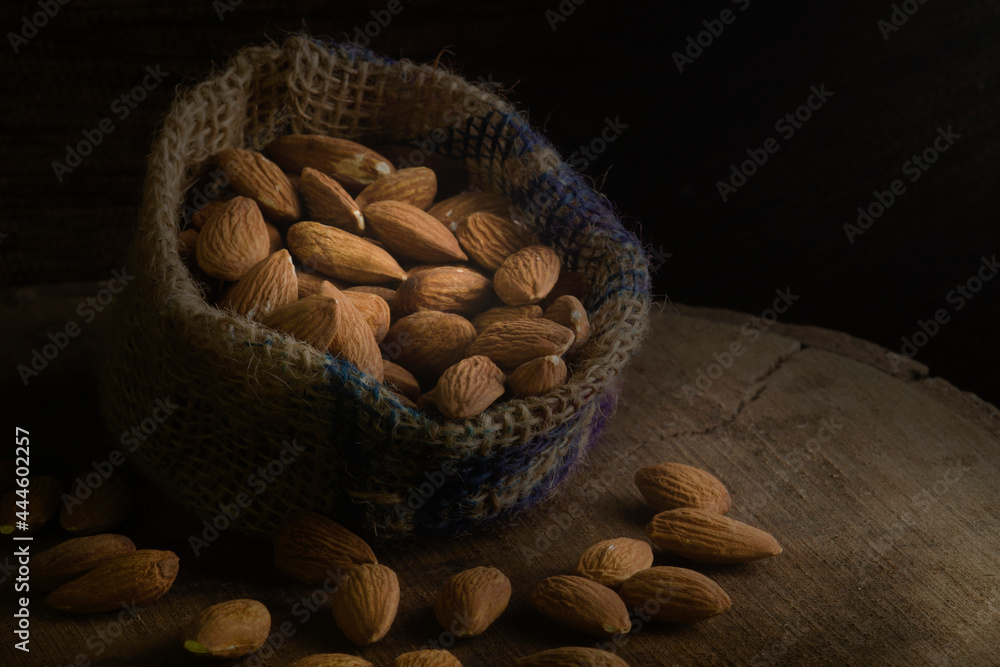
x: 265, y: 422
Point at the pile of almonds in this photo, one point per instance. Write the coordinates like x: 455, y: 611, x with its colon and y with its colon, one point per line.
x: 450, y: 304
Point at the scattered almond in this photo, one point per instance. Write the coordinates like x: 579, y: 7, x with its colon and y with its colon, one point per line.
x: 674, y: 594
x: 611, y: 562
x: 470, y: 601
x: 707, y: 537
x: 571, y: 656
x: 581, y: 604
x: 43, y: 505
x: 138, y: 578
x: 64, y: 562
x: 365, y: 603
x: 104, y: 508
x: 668, y: 486
x: 332, y: 660
x: 427, y: 658
x: 229, y: 629
x: 311, y: 548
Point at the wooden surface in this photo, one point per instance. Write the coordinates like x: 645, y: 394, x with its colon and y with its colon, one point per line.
x: 889, y: 524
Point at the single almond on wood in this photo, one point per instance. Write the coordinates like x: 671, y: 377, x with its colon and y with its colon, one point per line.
x: 668, y: 486
x: 64, y: 562
x: 353, y: 166
x: 454, y: 210
x: 707, y: 537
x: 43, y: 494
x: 332, y: 660
x: 502, y: 313
x: 674, y: 594
x: 427, y: 658
x: 354, y: 340
x: 233, y: 240
x: 230, y: 629
x: 410, y: 232
x: 268, y: 284
x: 581, y: 604
x: 253, y: 175
x: 365, y: 603
x: 313, y: 320
x: 450, y: 290
x: 538, y: 376
x: 469, y: 387
x: 416, y: 186
x: 90, y: 510
x: 138, y: 578
x: 568, y: 311
x: 428, y: 342
x: 328, y: 202
x: 611, y: 562
x: 527, y: 275
x: 470, y: 601
x: 312, y: 548
x: 489, y: 239
x: 571, y: 656
x: 400, y: 380
x: 513, y: 342
x: 374, y: 309
x: 341, y: 254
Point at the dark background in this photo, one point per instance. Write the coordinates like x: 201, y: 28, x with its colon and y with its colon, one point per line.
x: 783, y: 228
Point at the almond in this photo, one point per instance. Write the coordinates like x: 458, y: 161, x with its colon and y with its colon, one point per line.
x: 427, y: 658
x: 233, y: 240
x: 64, y: 562
x: 102, y: 509
x: 328, y: 202
x: 253, y: 175
x: 573, y: 283
x: 374, y: 309
x: 273, y: 238
x: 454, y: 210
x: 611, y: 562
x: 207, y: 211
x: 400, y: 380
x: 416, y: 186
x: 310, y: 283
x: 268, y: 284
x: 428, y: 401
x: 353, y: 339
x: 352, y: 165
x: 469, y: 387
x: 470, y: 601
x: 568, y: 311
x: 707, y: 537
x: 571, y: 656
x: 503, y: 313
x: 527, y: 276
x: 452, y: 175
x: 513, y: 342
x: 230, y: 629
x: 365, y: 603
x: 489, y: 239
x: 332, y: 660
x: 341, y: 254
x: 450, y: 290
x: 674, y: 594
x: 138, y: 578
x: 311, y: 548
x: 43, y: 494
x: 428, y: 342
x: 668, y: 486
x: 410, y: 232
x: 538, y: 376
x: 581, y: 604
x: 313, y: 320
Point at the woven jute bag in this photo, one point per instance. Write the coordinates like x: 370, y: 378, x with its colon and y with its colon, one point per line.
x: 268, y: 423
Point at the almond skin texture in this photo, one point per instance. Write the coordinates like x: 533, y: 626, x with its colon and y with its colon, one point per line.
x: 470, y: 601
x: 416, y: 186
x: 329, y: 203
x: 611, y: 562
x: 310, y: 548
x: 502, y: 313
x: 469, y: 387
x: 538, y: 376
x: 43, y: 506
x: 514, y: 342
x: 680, y: 595
x: 253, y: 175
x: 400, y: 380
x: 233, y: 240
x: 374, y: 309
x: 341, y: 255
x: 527, y: 276
x: 581, y: 604
x: 102, y: 510
x: 230, y: 629
x: 410, y: 232
x: 568, y: 311
x: 353, y: 339
x: 571, y: 656
x: 668, y: 486
x: 313, y: 320
x: 138, y: 578
x: 365, y: 604
x: 428, y: 658
x: 707, y: 537
x: 64, y: 562
x: 454, y: 210
x: 429, y: 342
x: 451, y: 290
x: 489, y: 239
x: 269, y: 284
x: 203, y: 214
x: 332, y: 660
x: 316, y: 283
x: 274, y: 237
x: 352, y: 165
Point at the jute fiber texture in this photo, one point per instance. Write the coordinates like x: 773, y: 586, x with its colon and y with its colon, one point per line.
x: 269, y: 417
